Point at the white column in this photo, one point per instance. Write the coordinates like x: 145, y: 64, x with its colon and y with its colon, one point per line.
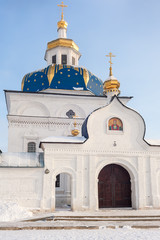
x: 58, y: 56
x: 85, y: 178
x: 154, y: 182
x: 53, y: 194
x: 73, y: 195
x: 134, y: 194
x: 148, y: 182
x: 48, y: 191
x: 69, y: 58
x: 141, y: 183
x: 92, y: 181
x: 79, y: 193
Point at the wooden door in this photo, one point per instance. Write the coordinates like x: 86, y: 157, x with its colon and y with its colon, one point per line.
x: 114, y: 187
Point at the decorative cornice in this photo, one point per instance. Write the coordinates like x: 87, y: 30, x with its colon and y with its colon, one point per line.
x: 62, y: 42
x: 15, y: 121
x: 123, y: 153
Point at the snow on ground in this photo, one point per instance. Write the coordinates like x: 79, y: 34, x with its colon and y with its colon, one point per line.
x: 10, y: 211
x: 125, y: 233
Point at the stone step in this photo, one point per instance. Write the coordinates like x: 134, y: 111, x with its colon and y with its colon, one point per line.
x: 94, y: 218
x: 58, y: 221
x: 82, y: 227
x: 50, y: 227
x: 109, y: 216
x: 106, y: 219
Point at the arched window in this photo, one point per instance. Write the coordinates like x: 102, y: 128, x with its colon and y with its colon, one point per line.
x: 58, y: 180
x: 31, y: 147
x: 115, y: 124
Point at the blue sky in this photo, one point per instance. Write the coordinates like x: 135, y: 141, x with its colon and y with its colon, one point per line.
x: 130, y: 29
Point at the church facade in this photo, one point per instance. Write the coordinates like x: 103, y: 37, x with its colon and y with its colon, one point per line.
x: 73, y: 142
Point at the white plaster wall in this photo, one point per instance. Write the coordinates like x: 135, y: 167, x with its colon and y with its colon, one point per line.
x: 37, y: 116
x: 84, y: 161
x: 45, y: 105
x: 30, y: 187
x: 22, y: 185
x: 34, y: 189
x: 130, y: 138
x: 84, y: 168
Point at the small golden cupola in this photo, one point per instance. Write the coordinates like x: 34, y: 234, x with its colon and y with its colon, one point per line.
x: 111, y: 85
x: 75, y: 131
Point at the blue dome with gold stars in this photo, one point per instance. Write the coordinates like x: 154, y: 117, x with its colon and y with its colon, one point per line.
x: 66, y: 77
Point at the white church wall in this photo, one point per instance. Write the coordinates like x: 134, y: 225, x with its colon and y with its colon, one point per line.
x: 24, y: 130
x: 47, y: 105
x: 22, y: 185
x: 154, y: 173
x: 82, y: 162
x: 32, y: 109
x: 29, y: 179
x: 80, y: 112
x: 37, y: 116
x: 86, y: 160
x: 84, y: 169
x: 20, y: 159
x: 129, y: 138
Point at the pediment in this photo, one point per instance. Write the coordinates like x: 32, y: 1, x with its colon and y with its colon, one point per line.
x: 115, y: 125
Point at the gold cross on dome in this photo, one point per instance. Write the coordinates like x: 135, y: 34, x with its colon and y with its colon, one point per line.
x: 110, y: 56
x: 62, y: 6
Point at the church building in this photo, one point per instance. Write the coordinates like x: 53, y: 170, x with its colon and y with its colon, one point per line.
x: 73, y: 142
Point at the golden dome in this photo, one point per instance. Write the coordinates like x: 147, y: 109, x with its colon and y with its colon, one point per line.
x: 111, y: 84
x: 75, y: 132
x: 62, y: 24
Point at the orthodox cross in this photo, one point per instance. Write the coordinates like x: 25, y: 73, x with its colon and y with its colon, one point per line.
x: 75, y: 122
x: 110, y: 56
x: 62, y: 6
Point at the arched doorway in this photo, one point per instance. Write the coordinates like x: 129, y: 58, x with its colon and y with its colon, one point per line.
x: 114, y: 187
x: 63, y: 191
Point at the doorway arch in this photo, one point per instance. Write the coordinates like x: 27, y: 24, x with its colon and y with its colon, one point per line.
x: 63, y: 191
x: 114, y: 187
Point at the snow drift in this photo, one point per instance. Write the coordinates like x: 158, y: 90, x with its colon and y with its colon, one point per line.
x: 10, y: 211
